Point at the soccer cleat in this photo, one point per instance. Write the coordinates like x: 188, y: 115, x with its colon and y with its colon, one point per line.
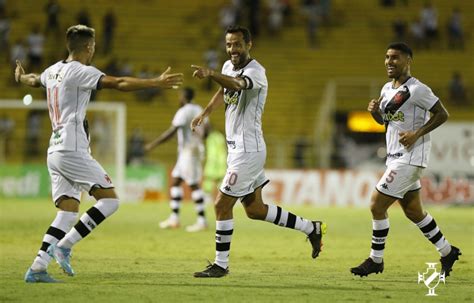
x: 62, y: 257
x: 212, y: 271
x: 367, y: 267
x: 315, y: 237
x: 447, y: 262
x: 198, y: 226
x: 38, y: 277
x: 169, y: 223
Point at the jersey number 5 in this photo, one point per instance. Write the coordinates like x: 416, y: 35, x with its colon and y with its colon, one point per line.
x: 391, y: 176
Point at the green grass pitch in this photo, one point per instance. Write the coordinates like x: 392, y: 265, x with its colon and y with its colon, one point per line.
x: 129, y: 259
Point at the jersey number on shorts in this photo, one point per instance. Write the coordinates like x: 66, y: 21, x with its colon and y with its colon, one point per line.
x: 232, y: 179
x: 53, y: 106
x: 391, y: 176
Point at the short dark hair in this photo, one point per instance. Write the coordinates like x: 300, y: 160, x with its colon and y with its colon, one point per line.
x: 239, y: 29
x: 188, y: 94
x: 78, y: 36
x: 400, y: 46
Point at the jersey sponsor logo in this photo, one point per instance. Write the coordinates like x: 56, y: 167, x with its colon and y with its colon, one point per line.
x: 384, y: 185
x: 398, y: 116
x: 396, y: 155
x: 231, y: 144
x: 57, y: 76
x: 227, y: 188
x: 398, y: 100
x: 231, y: 97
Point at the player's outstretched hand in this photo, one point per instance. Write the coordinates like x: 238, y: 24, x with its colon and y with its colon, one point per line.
x: 374, y: 105
x: 197, y: 121
x: 18, y: 71
x: 167, y: 80
x: 201, y: 72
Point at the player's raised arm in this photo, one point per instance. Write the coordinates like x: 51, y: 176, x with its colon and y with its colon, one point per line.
x: 374, y: 109
x: 165, y: 80
x: 32, y: 80
x: 216, y: 101
x: 232, y: 83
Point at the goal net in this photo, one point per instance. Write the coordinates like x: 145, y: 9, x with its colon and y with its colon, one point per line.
x: 24, y: 138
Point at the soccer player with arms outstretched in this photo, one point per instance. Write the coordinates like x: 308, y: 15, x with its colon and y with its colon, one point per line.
x: 243, y: 90
x: 188, y: 167
x: 403, y: 106
x: 72, y: 169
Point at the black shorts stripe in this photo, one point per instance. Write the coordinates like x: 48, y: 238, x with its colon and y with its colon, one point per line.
x: 429, y: 227
x: 436, y: 237
x: 277, y: 219
x: 96, y: 215
x: 177, y: 199
x: 82, y: 229
x: 290, y: 223
x: 223, y: 246
x: 380, y: 233
x: 199, y: 201
x: 55, y: 232
x: 378, y: 246
x: 44, y: 246
x: 224, y: 232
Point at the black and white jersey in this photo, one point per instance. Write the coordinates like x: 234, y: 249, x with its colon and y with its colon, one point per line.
x: 244, y: 108
x: 406, y: 108
x: 68, y: 87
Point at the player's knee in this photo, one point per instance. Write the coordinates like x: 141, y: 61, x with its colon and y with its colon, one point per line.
x: 414, y: 215
x: 376, y: 210
x: 108, y: 206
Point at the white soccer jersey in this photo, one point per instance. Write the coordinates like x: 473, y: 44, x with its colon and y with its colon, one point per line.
x: 244, y: 108
x: 407, y: 109
x: 68, y: 87
x: 187, y: 139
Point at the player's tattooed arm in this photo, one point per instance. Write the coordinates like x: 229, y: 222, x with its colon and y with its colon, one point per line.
x: 32, y: 80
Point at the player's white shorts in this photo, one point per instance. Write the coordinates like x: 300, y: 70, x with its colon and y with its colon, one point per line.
x: 188, y: 167
x: 244, y: 173
x: 399, y: 179
x: 73, y: 172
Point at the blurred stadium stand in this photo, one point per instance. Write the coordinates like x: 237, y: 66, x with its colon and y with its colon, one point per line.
x: 158, y: 34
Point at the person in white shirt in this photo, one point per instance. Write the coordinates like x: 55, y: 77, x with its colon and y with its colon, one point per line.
x: 404, y: 106
x: 72, y: 169
x: 243, y: 90
x: 188, y: 166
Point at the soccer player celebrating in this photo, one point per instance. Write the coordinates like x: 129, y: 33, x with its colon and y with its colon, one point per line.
x: 72, y: 169
x: 188, y: 167
x: 403, y: 106
x: 243, y: 90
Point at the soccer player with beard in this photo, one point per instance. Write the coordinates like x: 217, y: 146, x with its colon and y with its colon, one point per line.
x: 403, y: 107
x: 243, y: 90
x: 72, y: 169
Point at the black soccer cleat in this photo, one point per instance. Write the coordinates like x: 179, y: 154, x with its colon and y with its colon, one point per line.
x: 367, y: 267
x: 448, y: 261
x: 212, y: 271
x: 316, y: 236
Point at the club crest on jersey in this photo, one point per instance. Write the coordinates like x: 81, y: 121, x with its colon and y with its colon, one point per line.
x: 231, y: 97
x: 397, y: 101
